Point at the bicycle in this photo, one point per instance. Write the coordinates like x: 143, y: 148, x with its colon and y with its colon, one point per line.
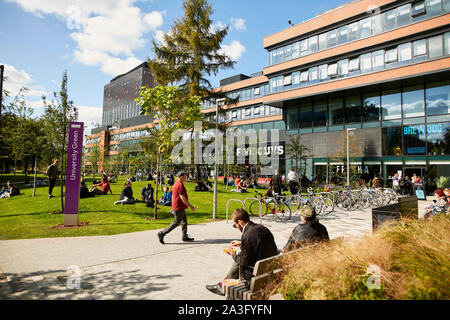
x: 278, y: 207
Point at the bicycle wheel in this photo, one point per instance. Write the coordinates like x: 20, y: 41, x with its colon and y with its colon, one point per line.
x: 254, y: 209
x: 327, y: 206
x: 282, y: 211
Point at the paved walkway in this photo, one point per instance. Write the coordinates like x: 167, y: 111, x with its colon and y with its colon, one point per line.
x: 136, y: 265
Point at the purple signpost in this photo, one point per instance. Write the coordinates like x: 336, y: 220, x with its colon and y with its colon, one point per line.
x: 73, y: 172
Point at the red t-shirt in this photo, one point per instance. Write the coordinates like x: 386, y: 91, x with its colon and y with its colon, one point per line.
x: 177, y: 190
x: 105, y: 187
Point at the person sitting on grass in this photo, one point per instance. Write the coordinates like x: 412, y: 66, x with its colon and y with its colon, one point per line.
x: 166, y: 199
x: 84, y: 191
x: 104, y: 187
x: 307, y: 231
x: 147, y: 195
x: 10, y: 191
x: 239, y: 186
x: 126, y: 197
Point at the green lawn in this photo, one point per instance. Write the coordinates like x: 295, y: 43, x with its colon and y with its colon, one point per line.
x: 25, y: 217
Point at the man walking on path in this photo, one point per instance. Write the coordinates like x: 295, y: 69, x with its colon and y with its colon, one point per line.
x: 52, y: 173
x: 180, y: 203
x: 293, y: 181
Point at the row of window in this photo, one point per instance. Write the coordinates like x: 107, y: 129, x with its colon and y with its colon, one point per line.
x: 431, y: 139
x: 243, y: 95
x: 93, y: 140
x: 406, y: 53
x: 378, y: 23
x: 129, y: 135
x: 121, y: 113
x: 383, y: 104
x: 245, y: 113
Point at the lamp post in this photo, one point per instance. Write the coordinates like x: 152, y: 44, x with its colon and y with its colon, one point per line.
x: 2, y: 69
x: 348, y: 157
x: 216, y: 160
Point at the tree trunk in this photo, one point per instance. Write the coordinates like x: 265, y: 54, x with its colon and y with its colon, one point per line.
x: 35, y: 174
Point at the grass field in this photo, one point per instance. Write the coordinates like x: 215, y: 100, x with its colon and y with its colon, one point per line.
x: 25, y: 217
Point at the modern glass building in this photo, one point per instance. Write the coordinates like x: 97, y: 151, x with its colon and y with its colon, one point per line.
x: 381, y: 68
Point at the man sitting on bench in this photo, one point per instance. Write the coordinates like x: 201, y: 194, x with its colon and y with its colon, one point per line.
x: 257, y: 243
x: 307, y: 231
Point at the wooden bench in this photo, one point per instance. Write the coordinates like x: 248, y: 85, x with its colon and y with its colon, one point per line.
x: 263, y: 272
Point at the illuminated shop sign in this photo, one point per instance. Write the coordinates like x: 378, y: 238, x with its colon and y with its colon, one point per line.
x: 431, y: 128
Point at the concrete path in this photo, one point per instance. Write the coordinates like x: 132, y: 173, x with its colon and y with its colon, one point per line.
x: 136, y: 265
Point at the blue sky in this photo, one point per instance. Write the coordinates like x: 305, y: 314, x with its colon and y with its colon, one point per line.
x: 97, y: 40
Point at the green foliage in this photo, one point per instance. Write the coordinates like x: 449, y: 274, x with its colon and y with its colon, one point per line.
x: 442, y: 182
x: 360, y: 291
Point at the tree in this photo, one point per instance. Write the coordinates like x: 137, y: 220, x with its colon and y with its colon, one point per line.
x: 94, y: 158
x: 297, y: 151
x: 171, y: 111
x: 57, y: 115
x: 191, y: 50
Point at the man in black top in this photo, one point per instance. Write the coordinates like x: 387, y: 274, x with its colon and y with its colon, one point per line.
x: 147, y: 195
x: 257, y: 243
x: 307, y: 231
x: 52, y: 173
x: 275, y: 182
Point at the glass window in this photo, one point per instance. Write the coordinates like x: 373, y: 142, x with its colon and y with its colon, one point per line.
x: 447, y: 42
x: 287, y: 80
x: 390, y: 55
x: 378, y: 60
x: 447, y: 5
x: 403, y: 14
x: 320, y: 113
x: 257, y: 91
x: 295, y: 79
x: 322, y: 41
x: 366, y: 62
x: 353, y: 109
x: 420, y: 49
x: 332, y: 70
x: 280, y: 53
x: 438, y: 136
x: 353, y: 65
x: 248, y: 112
x: 371, y: 107
x: 414, y: 140
x: 295, y: 50
x: 287, y: 52
x: 280, y: 83
x: 437, y: 98
x: 377, y: 24
x: 433, y: 7
x: 365, y: 28
x: 304, y: 49
x: 331, y: 38
x: 273, y: 57
x: 304, y: 76
x: 391, y: 107
x: 342, y: 35
x: 435, y: 46
x: 273, y: 85
x: 353, y: 33
x: 392, y: 141
x: 404, y: 52
x: 336, y: 111
x: 418, y: 11
x: 390, y: 19
x: 313, y: 74
x: 413, y: 101
x: 313, y: 46
x: 305, y: 120
x: 256, y: 110
x: 343, y: 67
x: 323, y: 72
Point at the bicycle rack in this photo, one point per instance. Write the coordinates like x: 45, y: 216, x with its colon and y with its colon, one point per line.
x: 260, y: 207
x: 236, y: 200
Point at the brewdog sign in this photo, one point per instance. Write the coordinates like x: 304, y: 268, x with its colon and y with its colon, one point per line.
x: 73, y: 173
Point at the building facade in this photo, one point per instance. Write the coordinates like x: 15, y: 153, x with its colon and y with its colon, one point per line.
x: 378, y: 67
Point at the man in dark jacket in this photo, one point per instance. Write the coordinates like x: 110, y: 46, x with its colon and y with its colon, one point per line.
x: 257, y: 243
x: 276, y: 183
x: 147, y: 195
x: 307, y: 231
x: 52, y: 173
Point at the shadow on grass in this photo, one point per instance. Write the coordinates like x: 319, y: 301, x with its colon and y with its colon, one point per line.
x: 101, y: 285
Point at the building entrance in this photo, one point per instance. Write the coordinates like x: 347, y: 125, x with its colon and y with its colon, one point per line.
x: 410, y: 171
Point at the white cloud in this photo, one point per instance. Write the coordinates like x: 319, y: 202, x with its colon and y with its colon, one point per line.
x: 89, y: 115
x: 238, y: 24
x: 109, y: 30
x: 234, y: 50
x: 16, y: 79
